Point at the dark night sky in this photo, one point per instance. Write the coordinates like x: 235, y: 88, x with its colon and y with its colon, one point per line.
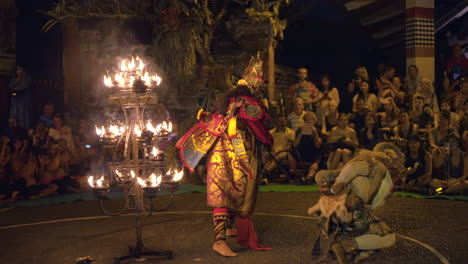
x: 321, y: 39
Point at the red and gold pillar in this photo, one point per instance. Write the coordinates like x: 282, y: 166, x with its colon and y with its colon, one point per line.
x: 420, y: 36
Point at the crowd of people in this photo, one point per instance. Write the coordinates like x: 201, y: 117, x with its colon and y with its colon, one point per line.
x: 50, y: 158
x: 326, y: 126
x: 323, y: 128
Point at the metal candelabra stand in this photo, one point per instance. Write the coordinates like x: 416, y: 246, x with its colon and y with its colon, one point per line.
x: 137, y: 166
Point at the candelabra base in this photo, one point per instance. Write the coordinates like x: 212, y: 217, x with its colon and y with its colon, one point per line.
x: 140, y: 251
x: 135, y: 253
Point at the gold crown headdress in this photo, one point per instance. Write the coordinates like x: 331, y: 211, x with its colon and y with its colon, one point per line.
x: 253, y: 74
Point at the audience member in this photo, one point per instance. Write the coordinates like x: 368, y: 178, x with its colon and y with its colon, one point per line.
x: 303, y: 89
x: 327, y: 93
x: 369, y: 98
x: 421, y: 116
x: 357, y: 118
x: 38, y: 137
x: 370, y: 134
x: 457, y: 59
x: 21, y: 89
x: 60, y: 131
x: 412, y: 79
x: 388, y: 119
x: 361, y: 71
x: 343, y: 140
x: 427, y: 92
x: 385, y: 79
x: 419, y: 166
x: 14, y: 132
x: 47, y: 115
x: 308, y: 146
x: 346, y: 96
x: 445, y: 106
x: 404, y: 130
x: 296, y: 118
x: 451, y: 168
x: 330, y: 119
x: 283, y: 139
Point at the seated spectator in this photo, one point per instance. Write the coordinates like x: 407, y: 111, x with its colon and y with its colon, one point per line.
x: 462, y: 112
x: 283, y: 139
x: 385, y: 79
x: 438, y: 134
x: 419, y: 166
x: 445, y: 106
x: 370, y: 134
x: 330, y: 119
x: 342, y: 140
x: 451, y: 88
x: 388, y: 119
x: 369, y: 98
x: 421, y: 116
x: 357, y: 118
x: 308, y: 146
x: 457, y: 59
x: 14, y: 132
x: 465, y: 141
x: 60, y: 131
x: 404, y: 130
x: 400, y: 92
x: 346, y: 96
x: 361, y: 71
x: 461, y: 98
x: 47, y: 115
x: 451, y: 168
x: 413, y: 78
x: 296, y: 118
x: 38, y: 137
x: 427, y: 92
x: 327, y: 93
x: 5, y: 188
x: 86, y: 141
x: 303, y: 89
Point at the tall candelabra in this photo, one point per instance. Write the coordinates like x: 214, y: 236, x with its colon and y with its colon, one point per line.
x: 137, y: 165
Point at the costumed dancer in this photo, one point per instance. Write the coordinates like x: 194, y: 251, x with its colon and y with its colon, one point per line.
x: 349, y: 228
x: 230, y: 137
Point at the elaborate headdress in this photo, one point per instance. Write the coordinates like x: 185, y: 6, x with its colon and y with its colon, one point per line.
x: 253, y: 74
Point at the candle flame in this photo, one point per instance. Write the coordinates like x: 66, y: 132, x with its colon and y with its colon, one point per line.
x: 141, y: 182
x: 90, y: 181
x: 119, y: 79
x: 133, y: 174
x: 99, y: 132
x: 118, y: 173
x: 123, y: 66
x: 138, y: 130
x: 156, y: 79
x: 155, y: 152
x: 107, y: 81
x: 155, y: 181
x: 131, y: 65
x: 141, y: 65
x: 150, y: 127
x: 178, y: 175
x: 100, y: 182
x: 169, y: 128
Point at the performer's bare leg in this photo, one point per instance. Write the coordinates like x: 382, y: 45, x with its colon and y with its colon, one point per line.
x: 220, y: 221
